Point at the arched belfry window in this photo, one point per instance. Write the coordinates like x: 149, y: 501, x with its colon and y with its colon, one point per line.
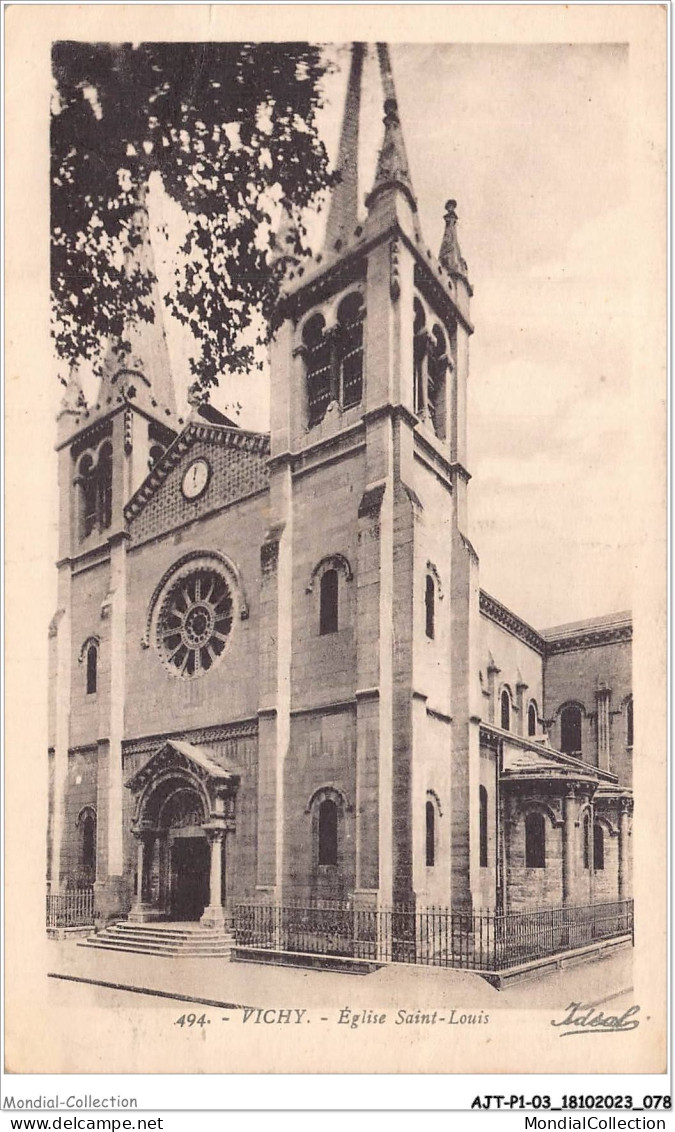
x: 535, y: 840
x: 350, y: 350
x: 86, y: 477
x: 419, y: 355
x: 570, y: 729
x: 94, y: 484
x: 328, y: 602
x: 105, y: 486
x: 505, y: 705
x: 483, y: 826
x: 437, y: 369
x: 430, y: 367
x: 598, y: 846
x: 532, y: 720
x: 318, y: 362
x: 334, y: 358
x: 629, y: 722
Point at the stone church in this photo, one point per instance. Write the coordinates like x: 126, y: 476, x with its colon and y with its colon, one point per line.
x: 274, y: 674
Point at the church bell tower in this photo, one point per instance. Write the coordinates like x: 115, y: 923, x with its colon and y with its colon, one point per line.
x: 368, y: 465
x: 105, y: 451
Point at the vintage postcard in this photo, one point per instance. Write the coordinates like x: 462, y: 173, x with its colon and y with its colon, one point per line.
x: 335, y: 545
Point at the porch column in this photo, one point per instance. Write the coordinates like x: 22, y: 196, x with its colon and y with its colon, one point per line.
x: 568, y: 871
x: 214, y: 915
x: 624, y: 854
x: 141, y: 908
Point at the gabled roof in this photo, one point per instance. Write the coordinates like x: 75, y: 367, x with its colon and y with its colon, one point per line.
x: 176, y: 753
x: 228, y: 436
x: 527, y: 759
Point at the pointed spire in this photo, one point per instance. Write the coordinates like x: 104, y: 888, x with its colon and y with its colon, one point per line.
x: 393, y: 171
x: 450, y: 256
x: 343, y: 214
x: 148, y: 356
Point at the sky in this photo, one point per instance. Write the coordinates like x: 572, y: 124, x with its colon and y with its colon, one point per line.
x: 531, y: 140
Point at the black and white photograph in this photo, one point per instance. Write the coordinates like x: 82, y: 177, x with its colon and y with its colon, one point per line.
x: 343, y: 512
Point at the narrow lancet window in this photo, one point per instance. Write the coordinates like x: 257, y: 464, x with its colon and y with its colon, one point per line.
x: 328, y: 833
x: 430, y: 607
x: 598, y: 846
x: 535, y: 841
x: 506, y: 710
x: 570, y: 730
x: 483, y: 825
x: 92, y: 669
x: 431, y: 834
x: 328, y: 603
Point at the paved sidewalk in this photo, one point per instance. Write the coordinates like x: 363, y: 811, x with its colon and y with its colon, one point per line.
x: 219, y: 982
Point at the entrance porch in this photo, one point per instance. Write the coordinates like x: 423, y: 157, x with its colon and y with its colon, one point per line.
x: 184, y: 816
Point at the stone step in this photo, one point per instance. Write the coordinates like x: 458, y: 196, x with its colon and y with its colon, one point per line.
x: 165, y: 927
x: 177, y: 946
x: 193, y: 941
x: 159, y: 953
x: 168, y: 937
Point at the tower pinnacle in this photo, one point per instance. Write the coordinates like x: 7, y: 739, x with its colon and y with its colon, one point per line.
x: 393, y: 171
x: 450, y: 255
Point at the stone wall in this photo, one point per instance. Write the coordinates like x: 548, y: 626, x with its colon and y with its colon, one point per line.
x: 81, y: 786
x: 321, y: 758
x: 576, y: 676
x: 532, y: 887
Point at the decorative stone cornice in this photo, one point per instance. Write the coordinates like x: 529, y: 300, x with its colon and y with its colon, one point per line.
x: 490, y: 607
x: 590, y: 638
x: 218, y: 733
x: 227, y: 437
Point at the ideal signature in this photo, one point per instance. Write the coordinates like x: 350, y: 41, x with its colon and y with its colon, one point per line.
x: 582, y: 1017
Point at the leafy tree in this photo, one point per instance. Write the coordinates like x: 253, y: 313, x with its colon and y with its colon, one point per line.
x: 231, y: 130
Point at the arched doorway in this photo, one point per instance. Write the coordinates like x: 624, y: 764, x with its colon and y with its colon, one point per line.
x: 186, y: 854
x: 184, y: 813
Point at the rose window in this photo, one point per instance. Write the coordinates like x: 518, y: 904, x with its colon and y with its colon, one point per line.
x: 195, y: 622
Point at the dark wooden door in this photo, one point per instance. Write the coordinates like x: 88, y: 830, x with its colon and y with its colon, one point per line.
x: 190, y: 877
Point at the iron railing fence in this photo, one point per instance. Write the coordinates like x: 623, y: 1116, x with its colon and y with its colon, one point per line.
x: 71, y: 909
x: 484, y: 941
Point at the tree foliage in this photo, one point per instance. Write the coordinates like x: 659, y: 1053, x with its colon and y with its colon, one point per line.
x: 230, y: 129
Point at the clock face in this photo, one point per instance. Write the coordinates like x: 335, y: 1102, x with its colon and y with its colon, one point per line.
x: 196, y: 478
